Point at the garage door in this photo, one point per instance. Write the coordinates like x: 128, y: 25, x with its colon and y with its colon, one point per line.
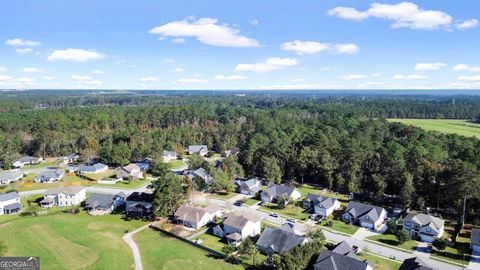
x: 366, y: 225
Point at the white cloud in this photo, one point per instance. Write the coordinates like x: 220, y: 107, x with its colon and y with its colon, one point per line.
x: 402, y: 15
x: 178, y: 69
x: 75, y: 55
x: 2, y: 69
x: 230, y: 77
x: 190, y: 80
x: 409, y: 77
x: 169, y: 61
x: 5, y: 78
x: 305, y: 47
x: 48, y: 78
x: 148, y: 79
x: 347, y: 48
x: 475, y: 78
x: 429, y: 66
x: 31, y: 70
x: 467, y: 24
x: 86, y: 80
x: 348, y: 13
x: 254, y: 22
x: 97, y: 71
x: 314, y: 47
x: 24, y: 50
x: 354, y: 77
x: 464, y: 67
x: 18, y: 42
x: 207, y: 31
x: 178, y: 40
x: 269, y: 64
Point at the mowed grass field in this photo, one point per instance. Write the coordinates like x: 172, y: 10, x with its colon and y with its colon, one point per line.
x: 66, y: 241
x: 162, y: 252
x: 460, y: 127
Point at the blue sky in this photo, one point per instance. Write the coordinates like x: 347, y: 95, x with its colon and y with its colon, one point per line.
x: 248, y: 44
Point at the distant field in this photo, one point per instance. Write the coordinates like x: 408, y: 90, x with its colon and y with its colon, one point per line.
x: 460, y: 127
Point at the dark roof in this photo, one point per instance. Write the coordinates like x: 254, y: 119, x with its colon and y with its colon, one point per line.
x: 101, y: 200
x: 329, y: 260
x: 10, y: 175
x: 279, y: 240
x: 140, y: 197
x: 345, y: 249
x: 475, y: 237
x: 8, y: 196
x: 311, y: 197
x: 414, y: 263
x: 277, y: 190
x: 357, y: 209
x: 12, y: 206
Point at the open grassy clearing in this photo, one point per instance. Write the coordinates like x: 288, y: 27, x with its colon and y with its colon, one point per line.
x: 66, y: 241
x: 28, y: 184
x: 175, y: 164
x: 126, y: 184
x: 391, y: 239
x: 162, y: 252
x: 293, y: 209
x: 212, y: 241
x: 460, y: 127
x: 379, y: 263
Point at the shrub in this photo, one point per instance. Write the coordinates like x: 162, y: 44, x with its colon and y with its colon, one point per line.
x: 439, y: 244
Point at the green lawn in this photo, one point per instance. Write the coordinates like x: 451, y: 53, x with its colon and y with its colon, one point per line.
x: 66, y: 241
x: 162, y: 252
x: 100, y: 176
x: 222, y: 196
x: 455, y: 253
x: 293, y: 209
x: 28, y: 184
x: 174, y: 164
x: 212, y: 241
x: 460, y: 127
x: 379, y: 263
x: 391, y: 240
x: 251, y: 201
x: 125, y: 184
x: 339, y: 225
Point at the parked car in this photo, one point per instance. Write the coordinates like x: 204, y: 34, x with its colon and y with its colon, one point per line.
x: 275, y: 215
x: 291, y: 220
x: 239, y: 203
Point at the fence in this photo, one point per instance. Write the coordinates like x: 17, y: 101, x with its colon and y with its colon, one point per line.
x: 209, y: 250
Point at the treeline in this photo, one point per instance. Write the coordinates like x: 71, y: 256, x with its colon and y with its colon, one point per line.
x: 338, y: 147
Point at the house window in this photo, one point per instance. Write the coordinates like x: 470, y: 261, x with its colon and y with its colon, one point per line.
x: 408, y: 224
x: 367, y: 218
x: 429, y: 230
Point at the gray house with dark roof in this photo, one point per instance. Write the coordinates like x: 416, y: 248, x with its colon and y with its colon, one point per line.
x: 364, y: 215
x: 49, y: 176
x: 249, y: 187
x: 277, y: 240
x: 100, y: 203
x: 423, y: 227
x: 273, y: 192
x: 415, y: 263
x: 10, y: 203
x: 10, y: 176
x: 323, y: 206
x: 26, y: 161
x: 91, y: 169
x: 330, y: 260
x: 139, y: 204
x: 200, y: 173
x: 201, y: 150
x: 475, y: 240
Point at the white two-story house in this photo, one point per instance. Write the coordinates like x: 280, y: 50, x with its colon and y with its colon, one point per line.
x: 423, y: 227
x: 238, y: 226
x: 64, y: 196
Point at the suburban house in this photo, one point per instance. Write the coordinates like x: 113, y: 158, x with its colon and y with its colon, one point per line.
x: 10, y: 176
x: 273, y: 192
x: 131, y: 171
x: 328, y: 259
x: 63, y: 196
x: 249, y: 187
x: 196, y: 217
x: 139, y: 204
x: 232, y: 151
x: 10, y: 203
x: 415, y: 263
x: 201, y: 150
x: 169, y: 156
x: 201, y: 173
x: 423, y: 227
x: 26, y: 161
x: 100, y: 203
x: 92, y: 169
x: 49, y: 176
x: 145, y: 164
x: 278, y: 240
x: 70, y: 158
x: 238, y: 226
x: 364, y: 215
x: 323, y: 206
x: 475, y: 240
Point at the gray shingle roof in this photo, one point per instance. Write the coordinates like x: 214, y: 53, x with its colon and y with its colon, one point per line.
x: 27, y: 159
x: 189, y: 213
x: 414, y: 263
x: 101, y: 200
x: 345, y: 249
x: 240, y: 220
x: 56, y: 174
x: 92, y: 168
x: 169, y: 153
x: 329, y: 260
x: 12, y: 206
x: 70, y: 190
x: 8, y: 196
x: 277, y: 190
x: 425, y: 220
x: 281, y: 241
x: 197, y: 148
x: 475, y: 237
x: 10, y: 175
x: 357, y: 210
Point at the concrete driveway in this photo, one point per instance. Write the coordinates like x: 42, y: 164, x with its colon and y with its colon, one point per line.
x: 363, y: 233
x: 421, y: 250
x: 474, y: 262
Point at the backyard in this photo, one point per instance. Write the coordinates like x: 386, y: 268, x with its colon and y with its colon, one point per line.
x: 66, y: 241
x: 379, y: 263
x: 163, y: 252
x: 28, y: 184
x: 338, y: 225
x: 293, y: 209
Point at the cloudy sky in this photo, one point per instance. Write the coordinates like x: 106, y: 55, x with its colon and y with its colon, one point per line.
x: 247, y: 44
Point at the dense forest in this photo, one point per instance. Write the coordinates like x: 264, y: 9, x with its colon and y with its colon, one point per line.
x: 340, y: 142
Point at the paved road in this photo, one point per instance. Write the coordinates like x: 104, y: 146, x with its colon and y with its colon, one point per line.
x: 128, y: 238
